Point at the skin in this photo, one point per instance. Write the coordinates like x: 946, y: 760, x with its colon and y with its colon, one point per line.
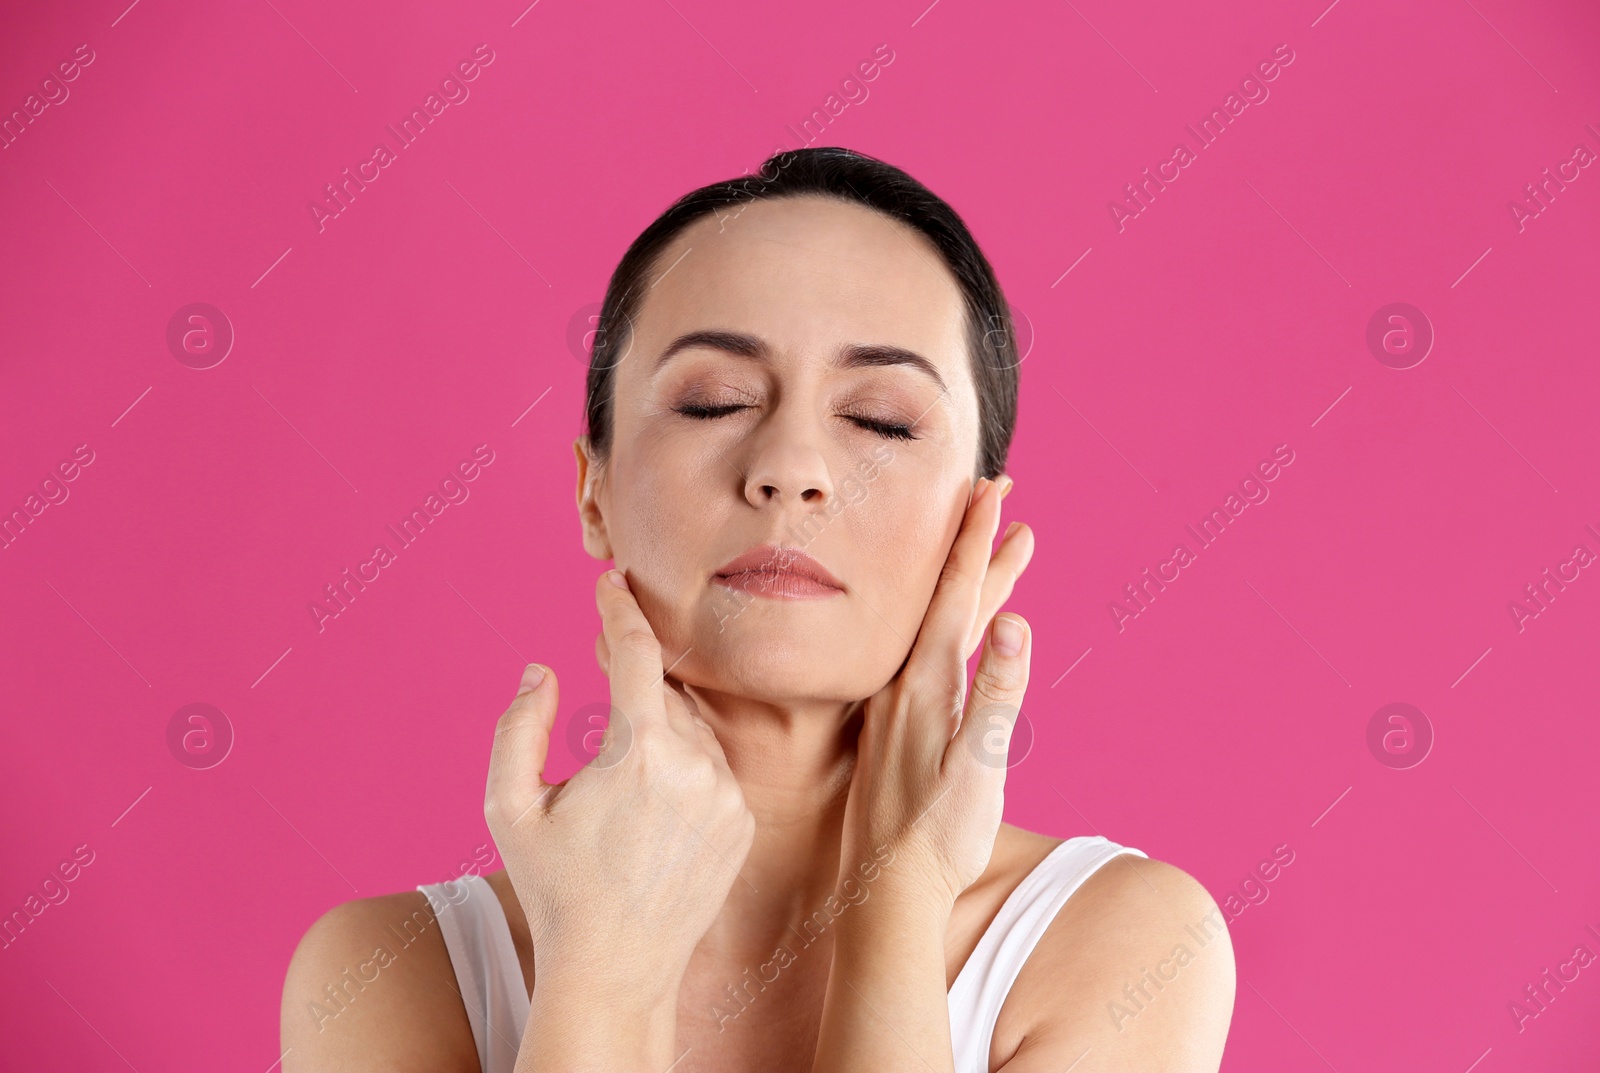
x: 773, y: 748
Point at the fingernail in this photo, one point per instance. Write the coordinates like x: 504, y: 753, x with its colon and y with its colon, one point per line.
x: 984, y: 484
x: 1005, y: 489
x: 532, y: 675
x: 1012, y: 528
x: 1007, y: 636
x: 618, y: 579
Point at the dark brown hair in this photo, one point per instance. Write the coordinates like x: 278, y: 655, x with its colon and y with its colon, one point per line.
x: 826, y: 171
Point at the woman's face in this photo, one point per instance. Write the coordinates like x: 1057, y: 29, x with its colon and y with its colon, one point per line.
x: 801, y: 449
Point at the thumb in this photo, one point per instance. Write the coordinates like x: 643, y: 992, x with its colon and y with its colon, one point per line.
x: 521, y: 745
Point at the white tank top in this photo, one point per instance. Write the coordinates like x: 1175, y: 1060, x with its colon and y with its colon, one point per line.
x: 490, y: 978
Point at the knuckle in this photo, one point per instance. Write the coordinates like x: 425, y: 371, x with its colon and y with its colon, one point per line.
x: 731, y: 798
x: 647, y: 739
x: 639, y: 641
x: 513, y: 714
x: 953, y: 573
x: 700, y: 772
x: 925, y: 695
x: 522, y: 706
x: 999, y: 687
x: 494, y: 806
x: 504, y: 727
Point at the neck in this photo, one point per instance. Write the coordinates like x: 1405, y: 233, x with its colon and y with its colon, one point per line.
x: 793, y: 761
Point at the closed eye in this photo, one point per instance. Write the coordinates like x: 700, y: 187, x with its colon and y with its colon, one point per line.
x: 704, y: 412
x: 883, y: 428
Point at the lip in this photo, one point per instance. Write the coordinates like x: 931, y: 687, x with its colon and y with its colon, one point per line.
x: 778, y: 572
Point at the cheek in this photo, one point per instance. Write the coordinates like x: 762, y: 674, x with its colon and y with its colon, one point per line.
x: 664, y: 511
x: 659, y: 525
x: 902, y: 541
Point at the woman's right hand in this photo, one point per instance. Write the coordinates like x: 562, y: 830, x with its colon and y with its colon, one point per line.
x: 622, y: 868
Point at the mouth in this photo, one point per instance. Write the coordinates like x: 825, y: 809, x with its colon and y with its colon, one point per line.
x: 778, y: 572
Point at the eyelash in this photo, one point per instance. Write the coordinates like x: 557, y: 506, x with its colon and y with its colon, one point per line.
x: 882, y: 428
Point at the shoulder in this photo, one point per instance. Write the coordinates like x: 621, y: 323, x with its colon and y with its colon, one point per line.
x: 370, y: 986
x: 1137, y: 967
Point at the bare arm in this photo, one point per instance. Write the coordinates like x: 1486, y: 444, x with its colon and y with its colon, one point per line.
x: 370, y: 987
x: 886, y: 1006
x: 1135, y: 973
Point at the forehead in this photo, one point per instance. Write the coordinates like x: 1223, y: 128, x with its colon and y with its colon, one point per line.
x: 808, y: 275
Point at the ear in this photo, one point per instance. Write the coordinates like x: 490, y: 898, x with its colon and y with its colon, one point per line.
x: 590, y: 476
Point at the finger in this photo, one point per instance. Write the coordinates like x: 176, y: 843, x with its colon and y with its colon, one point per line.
x: 683, y: 713
x: 711, y: 743
x: 941, y: 642
x: 602, y: 654
x: 1016, y: 551
x: 635, y: 654
x: 521, y: 745
x: 997, y: 690
x: 682, y: 705
x: 690, y: 706
x: 679, y: 716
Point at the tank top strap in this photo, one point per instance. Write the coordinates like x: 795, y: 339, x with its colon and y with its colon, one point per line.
x: 981, y: 987
x: 487, y: 972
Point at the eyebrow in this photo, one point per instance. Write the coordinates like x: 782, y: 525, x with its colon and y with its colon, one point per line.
x: 850, y: 356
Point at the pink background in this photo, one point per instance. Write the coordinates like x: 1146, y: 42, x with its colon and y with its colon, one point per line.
x: 1228, y: 718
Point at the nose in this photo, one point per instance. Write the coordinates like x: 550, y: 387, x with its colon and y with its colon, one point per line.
x: 786, y: 466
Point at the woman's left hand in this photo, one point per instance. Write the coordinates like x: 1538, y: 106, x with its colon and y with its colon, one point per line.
x: 924, y: 790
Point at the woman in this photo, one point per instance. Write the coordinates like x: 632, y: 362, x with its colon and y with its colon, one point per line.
x: 787, y: 854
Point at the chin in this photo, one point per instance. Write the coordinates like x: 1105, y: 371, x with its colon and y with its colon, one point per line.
x: 785, y: 656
